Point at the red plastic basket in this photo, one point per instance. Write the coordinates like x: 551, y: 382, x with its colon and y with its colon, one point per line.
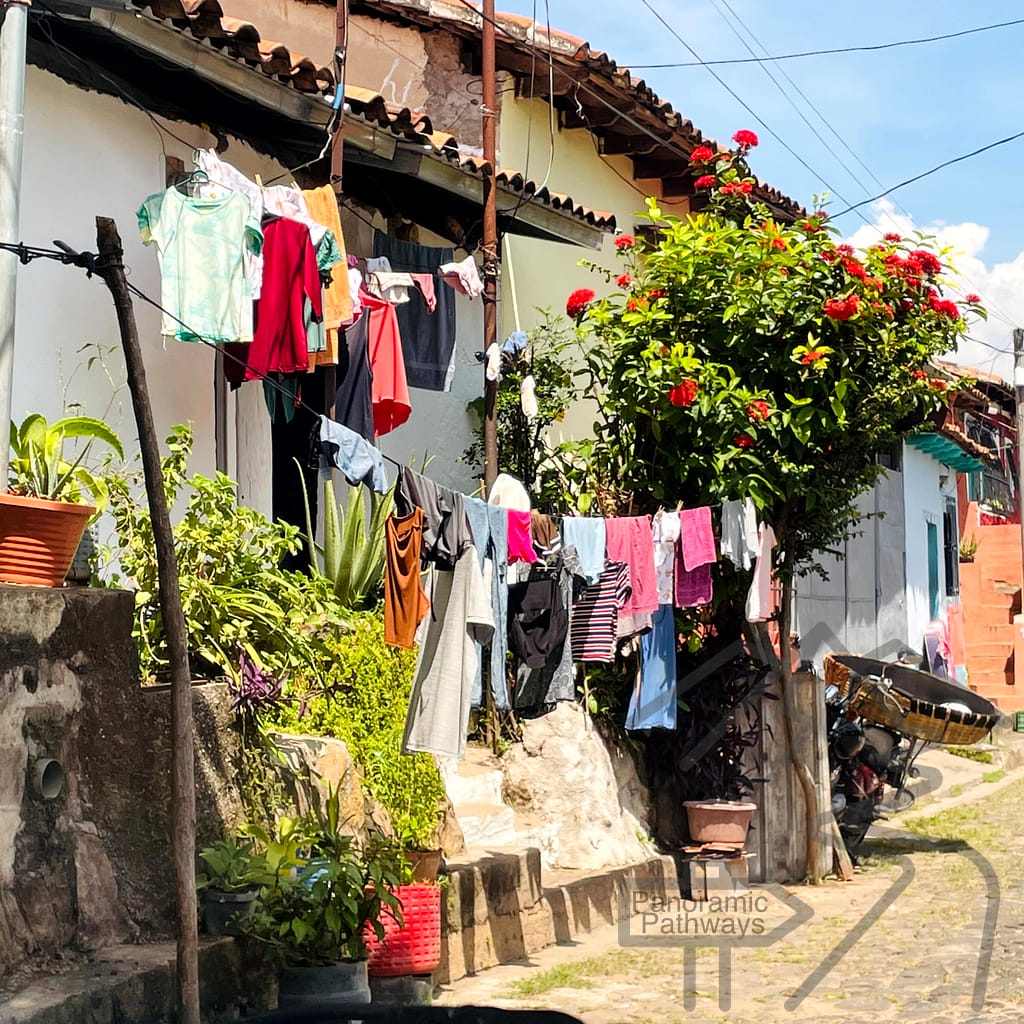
x: 415, y: 947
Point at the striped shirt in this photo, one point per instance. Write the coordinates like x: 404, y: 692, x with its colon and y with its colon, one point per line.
x: 595, y: 616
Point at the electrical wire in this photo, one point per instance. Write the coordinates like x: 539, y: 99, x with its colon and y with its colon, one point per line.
x: 843, y: 49
x: 929, y: 172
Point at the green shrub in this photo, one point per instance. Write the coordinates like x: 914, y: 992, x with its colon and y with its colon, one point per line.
x: 236, y: 598
x: 365, y: 706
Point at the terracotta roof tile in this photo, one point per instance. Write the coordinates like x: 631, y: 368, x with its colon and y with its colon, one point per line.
x: 242, y: 41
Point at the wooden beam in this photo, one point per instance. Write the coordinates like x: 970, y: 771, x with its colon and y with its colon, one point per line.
x: 628, y: 145
x: 681, y: 185
x: 661, y: 164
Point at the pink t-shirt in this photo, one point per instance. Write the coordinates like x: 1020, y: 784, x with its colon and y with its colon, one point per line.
x: 520, y: 539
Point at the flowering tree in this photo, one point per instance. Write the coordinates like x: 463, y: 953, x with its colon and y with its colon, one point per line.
x: 742, y: 356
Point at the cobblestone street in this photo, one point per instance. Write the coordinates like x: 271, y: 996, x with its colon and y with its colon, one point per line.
x: 949, y: 949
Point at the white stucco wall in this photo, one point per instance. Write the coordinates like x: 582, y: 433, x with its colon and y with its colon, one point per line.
x: 87, y: 155
x: 924, y: 500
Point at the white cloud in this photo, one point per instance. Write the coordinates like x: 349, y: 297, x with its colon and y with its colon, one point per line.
x: 1001, y: 286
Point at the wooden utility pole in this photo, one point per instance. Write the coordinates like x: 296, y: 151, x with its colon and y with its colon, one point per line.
x: 340, y: 45
x: 1018, y: 401
x: 490, y: 239
x: 110, y: 266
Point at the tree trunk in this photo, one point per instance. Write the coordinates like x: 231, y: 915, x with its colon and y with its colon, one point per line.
x: 183, y: 791
x: 815, y: 871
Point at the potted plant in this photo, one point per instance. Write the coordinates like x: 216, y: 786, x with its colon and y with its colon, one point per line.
x: 229, y: 884
x: 705, y: 764
x: 412, y: 944
x: 324, y: 891
x: 43, y: 515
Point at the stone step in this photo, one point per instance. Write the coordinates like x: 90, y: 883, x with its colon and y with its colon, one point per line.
x: 468, y: 783
x: 488, y: 825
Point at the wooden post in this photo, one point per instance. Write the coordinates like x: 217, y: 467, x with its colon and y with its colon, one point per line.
x: 1018, y: 396
x: 489, y: 112
x: 110, y: 267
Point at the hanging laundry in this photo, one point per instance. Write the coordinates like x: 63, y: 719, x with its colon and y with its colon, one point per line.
x: 353, y: 399
x: 390, y: 287
x: 428, y: 289
x: 223, y: 180
x: 665, y: 532
x: 446, y: 533
x: 653, y: 705
x: 546, y: 538
x: 630, y: 540
x: 520, y: 541
x: 405, y: 602
x: 378, y: 265
x: 514, y: 343
x: 633, y: 625
x: 697, y: 538
x: 508, y: 492
x: 587, y: 535
x: 428, y: 338
x: 322, y: 204
x: 489, y: 527
x: 290, y: 277
x: 203, y: 246
x: 438, y: 717
x: 595, y: 615
x: 462, y: 276
x: 288, y: 202
x: 538, y: 621
x: 693, y: 589
x: 353, y: 456
x: 281, y: 395
x: 355, y: 286
x: 739, y: 532
x: 492, y: 357
x: 528, y: 397
x: 759, y: 597
x: 555, y: 680
x: 390, y: 390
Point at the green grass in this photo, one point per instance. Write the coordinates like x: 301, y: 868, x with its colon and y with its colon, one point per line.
x: 994, y: 776
x: 576, y: 975
x: 580, y: 974
x: 956, y: 790
x: 971, y: 754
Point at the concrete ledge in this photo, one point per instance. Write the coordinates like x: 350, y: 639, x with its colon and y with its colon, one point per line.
x: 136, y: 983
x: 497, y: 910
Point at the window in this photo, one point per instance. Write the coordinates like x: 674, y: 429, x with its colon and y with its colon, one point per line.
x: 951, y: 548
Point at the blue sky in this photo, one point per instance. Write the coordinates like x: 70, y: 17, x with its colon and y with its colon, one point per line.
x: 900, y: 111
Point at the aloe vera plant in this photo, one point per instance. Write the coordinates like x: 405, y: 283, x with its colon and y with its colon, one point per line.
x: 38, y: 468
x: 353, y: 550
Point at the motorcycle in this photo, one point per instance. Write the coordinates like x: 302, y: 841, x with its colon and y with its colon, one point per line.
x: 864, y: 758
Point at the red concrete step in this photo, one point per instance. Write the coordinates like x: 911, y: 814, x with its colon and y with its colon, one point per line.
x: 977, y: 651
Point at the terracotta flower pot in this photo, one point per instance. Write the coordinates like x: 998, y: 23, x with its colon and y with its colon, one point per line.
x: 425, y: 864
x: 415, y: 946
x: 719, y: 821
x: 39, y: 538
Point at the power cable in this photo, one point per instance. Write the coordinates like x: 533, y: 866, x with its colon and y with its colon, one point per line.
x: 826, y: 53
x: 929, y: 172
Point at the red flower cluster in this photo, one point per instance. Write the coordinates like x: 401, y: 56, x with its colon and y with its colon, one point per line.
x: 845, y: 250
x: 893, y: 237
x: 632, y: 305
x: 757, y: 411
x: 925, y: 262
x: 705, y: 181
x: 578, y: 303
x: 810, y: 227
x: 778, y: 243
x: 829, y: 255
x: 855, y: 269
x: 942, y: 306
x: 884, y: 307
x: 918, y: 374
x: 745, y: 139
x: 625, y: 242
x: 684, y: 394
x: 737, y: 188
x: 811, y: 357
x: 624, y: 280
x: 842, y: 309
x: 657, y: 293
x: 702, y: 155
x: 743, y: 441
x: 937, y: 385
x: 972, y: 299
